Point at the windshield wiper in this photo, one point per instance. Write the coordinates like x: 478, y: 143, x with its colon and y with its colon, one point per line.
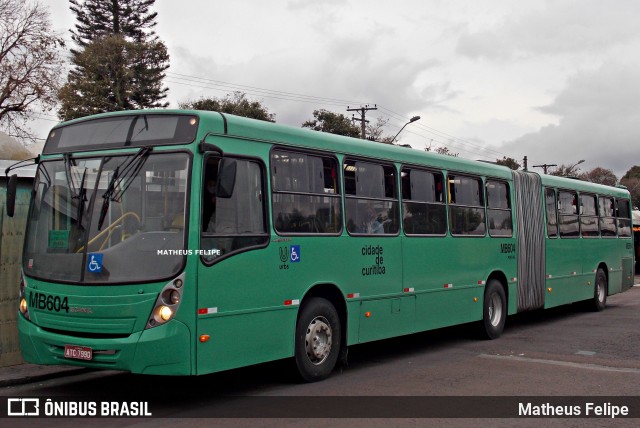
x: 68, y: 163
x: 127, y: 169
x: 82, y: 198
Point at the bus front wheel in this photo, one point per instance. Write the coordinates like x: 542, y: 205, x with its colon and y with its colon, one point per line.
x: 318, y: 338
x: 494, y: 310
x: 599, y: 300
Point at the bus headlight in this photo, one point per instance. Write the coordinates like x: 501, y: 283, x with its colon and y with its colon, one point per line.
x: 167, y: 303
x: 23, y: 306
x: 165, y: 313
x: 22, y: 298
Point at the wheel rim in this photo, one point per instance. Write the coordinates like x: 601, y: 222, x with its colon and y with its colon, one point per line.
x: 601, y: 290
x: 495, y: 309
x: 318, y: 340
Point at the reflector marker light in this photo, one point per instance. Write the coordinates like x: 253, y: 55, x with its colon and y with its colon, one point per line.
x: 448, y: 286
x: 574, y: 273
x: 294, y: 302
x: 204, y: 311
x: 549, y: 276
x: 594, y: 271
x: 514, y: 279
x: 482, y: 282
x: 409, y: 290
x: 353, y: 295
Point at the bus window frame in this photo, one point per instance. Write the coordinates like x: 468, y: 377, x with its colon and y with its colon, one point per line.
x: 410, y: 167
x: 339, y: 195
x: 597, y: 216
x: 397, y: 199
x: 451, y: 205
x: 576, y: 214
x: 265, y: 212
x: 555, y: 212
x: 488, y: 208
x: 618, y: 217
x: 615, y: 219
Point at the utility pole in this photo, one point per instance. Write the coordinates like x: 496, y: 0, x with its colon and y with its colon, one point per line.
x: 362, y: 120
x: 545, y: 166
x: 524, y: 161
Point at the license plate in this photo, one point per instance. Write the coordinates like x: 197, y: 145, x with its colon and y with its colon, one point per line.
x: 78, y: 352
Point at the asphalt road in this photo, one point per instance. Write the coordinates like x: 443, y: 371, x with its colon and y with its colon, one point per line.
x: 566, y: 351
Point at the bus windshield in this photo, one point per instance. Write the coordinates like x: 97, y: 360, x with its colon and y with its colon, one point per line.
x: 116, y: 219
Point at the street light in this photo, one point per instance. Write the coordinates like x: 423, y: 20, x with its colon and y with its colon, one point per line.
x: 571, y: 171
x: 413, y: 119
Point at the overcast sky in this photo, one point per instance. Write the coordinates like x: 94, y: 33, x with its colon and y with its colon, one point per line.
x: 558, y: 81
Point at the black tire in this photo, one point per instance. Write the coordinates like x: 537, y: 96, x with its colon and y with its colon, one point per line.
x: 494, y: 310
x: 318, y: 339
x: 600, y: 290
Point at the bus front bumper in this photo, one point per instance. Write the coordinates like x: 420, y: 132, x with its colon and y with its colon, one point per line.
x: 163, y: 350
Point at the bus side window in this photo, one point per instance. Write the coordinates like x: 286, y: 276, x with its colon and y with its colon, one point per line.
x: 499, y: 209
x: 608, y: 228
x: 209, y: 193
x: 568, y: 214
x: 423, y: 208
x: 624, y: 218
x: 466, y: 206
x: 371, y: 201
x: 306, y: 197
x: 552, y: 214
x: 237, y: 220
x: 589, y: 216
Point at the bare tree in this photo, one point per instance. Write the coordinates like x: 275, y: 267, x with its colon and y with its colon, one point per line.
x: 30, y: 64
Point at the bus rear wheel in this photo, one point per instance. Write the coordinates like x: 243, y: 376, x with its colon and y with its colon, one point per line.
x: 599, y: 300
x: 318, y: 339
x: 494, y: 310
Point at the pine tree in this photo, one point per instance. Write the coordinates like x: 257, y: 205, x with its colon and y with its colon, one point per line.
x: 120, y: 62
x: 98, y: 18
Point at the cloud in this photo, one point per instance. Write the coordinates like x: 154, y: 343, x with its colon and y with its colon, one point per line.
x: 564, y: 26
x: 599, y: 119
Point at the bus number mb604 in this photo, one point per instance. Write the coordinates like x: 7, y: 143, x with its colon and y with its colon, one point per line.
x: 48, y: 302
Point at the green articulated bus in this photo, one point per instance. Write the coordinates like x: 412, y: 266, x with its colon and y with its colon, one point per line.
x: 189, y: 242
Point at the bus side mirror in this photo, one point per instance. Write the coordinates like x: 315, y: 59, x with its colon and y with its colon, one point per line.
x: 12, y: 186
x: 226, y: 178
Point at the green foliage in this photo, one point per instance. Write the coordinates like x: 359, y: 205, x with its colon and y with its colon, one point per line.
x: 566, y: 171
x: 601, y: 176
x: 333, y: 123
x: 634, y: 172
x: 113, y: 74
x: 98, y: 18
x: 120, y: 64
x: 236, y: 103
x: 632, y: 181
x: 445, y: 151
x: 508, y: 162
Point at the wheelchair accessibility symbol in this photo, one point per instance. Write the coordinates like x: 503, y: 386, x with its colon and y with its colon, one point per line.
x: 94, y: 263
x: 295, y: 254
